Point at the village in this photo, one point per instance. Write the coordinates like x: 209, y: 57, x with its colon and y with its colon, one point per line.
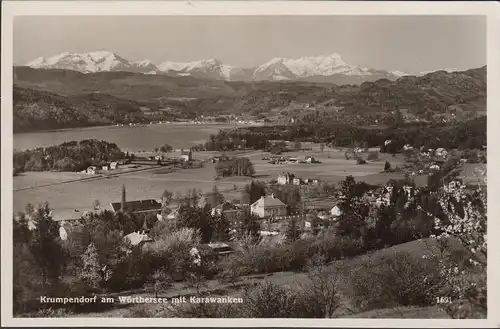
x: 312, y: 215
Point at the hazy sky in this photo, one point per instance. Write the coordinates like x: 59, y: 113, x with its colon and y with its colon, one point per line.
x: 407, y: 43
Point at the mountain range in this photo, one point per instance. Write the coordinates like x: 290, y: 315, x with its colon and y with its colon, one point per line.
x: 321, y: 69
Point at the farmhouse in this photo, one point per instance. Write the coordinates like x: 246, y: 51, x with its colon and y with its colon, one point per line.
x: 186, y: 155
x: 113, y: 165
x: 137, y: 206
x: 268, y: 206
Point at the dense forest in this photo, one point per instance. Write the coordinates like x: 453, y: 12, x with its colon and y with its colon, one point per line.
x: 463, y: 135
x: 68, y: 156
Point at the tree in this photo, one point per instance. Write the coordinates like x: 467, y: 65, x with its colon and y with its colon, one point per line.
x: 159, y: 281
x: 96, y: 204
x: 45, y: 247
x: 215, y: 197
x: 292, y: 233
x: 321, y: 146
x: 235, y: 167
x: 254, y: 191
x: 387, y: 166
x: 91, y: 270
x: 464, y: 219
x: 248, y: 225
x: 221, y: 227
x: 166, y: 148
x: 199, y: 219
x: 297, y: 145
x: 166, y: 198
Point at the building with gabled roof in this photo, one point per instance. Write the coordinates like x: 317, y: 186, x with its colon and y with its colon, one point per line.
x: 136, y: 238
x: 268, y: 206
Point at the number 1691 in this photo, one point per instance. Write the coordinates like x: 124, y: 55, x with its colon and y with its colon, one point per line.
x: 443, y: 300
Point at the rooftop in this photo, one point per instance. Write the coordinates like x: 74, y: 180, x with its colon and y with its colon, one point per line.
x: 137, y: 237
x: 137, y: 205
x: 268, y: 201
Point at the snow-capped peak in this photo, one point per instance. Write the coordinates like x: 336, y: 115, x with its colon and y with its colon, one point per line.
x: 95, y: 61
x: 145, y: 62
x: 400, y: 73
x: 324, y: 68
x: 310, y: 65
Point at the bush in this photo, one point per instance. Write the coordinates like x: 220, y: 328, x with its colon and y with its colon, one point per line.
x: 318, y: 297
x: 360, y: 161
x: 379, y: 281
x: 289, y: 257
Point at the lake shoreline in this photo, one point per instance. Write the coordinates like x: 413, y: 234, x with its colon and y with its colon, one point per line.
x: 144, y: 137
x: 139, y: 125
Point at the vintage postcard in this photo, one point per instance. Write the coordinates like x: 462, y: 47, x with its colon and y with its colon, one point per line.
x: 249, y: 163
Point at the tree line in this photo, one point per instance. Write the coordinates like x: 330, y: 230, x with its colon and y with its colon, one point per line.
x: 463, y: 135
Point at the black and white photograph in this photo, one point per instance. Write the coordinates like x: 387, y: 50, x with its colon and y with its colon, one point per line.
x: 248, y: 166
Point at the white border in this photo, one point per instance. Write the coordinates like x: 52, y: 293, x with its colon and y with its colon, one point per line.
x: 490, y: 9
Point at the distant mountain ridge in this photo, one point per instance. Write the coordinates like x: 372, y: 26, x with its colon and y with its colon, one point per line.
x: 55, y: 98
x: 330, y: 68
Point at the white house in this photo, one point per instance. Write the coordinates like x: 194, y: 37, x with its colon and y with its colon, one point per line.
x: 186, y: 155
x: 268, y: 206
x: 285, y: 178
x: 113, y: 165
x: 92, y: 170
x: 335, y: 211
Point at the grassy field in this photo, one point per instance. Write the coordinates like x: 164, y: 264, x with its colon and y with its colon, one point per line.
x: 64, y: 198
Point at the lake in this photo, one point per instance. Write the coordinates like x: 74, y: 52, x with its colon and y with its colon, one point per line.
x: 128, y: 138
